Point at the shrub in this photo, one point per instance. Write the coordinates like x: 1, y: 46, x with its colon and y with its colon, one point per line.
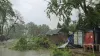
x: 92, y: 54
x: 32, y: 44
x: 21, y: 44
x: 61, y: 52
x: 42, y: 42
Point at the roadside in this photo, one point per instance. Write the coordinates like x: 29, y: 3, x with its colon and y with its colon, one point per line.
x: 80, y: 52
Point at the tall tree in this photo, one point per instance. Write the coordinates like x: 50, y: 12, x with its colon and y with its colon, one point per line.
x: 18, y: 31
x: 7, y: 15
x: 5, y: 10
x: 43, y: 29
x: 88, y: 11
x: 34, y: 30
x: 65, y: 26
x: 73, y: 26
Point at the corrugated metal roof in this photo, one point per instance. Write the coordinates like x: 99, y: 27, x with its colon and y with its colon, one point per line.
x: 55, y: 31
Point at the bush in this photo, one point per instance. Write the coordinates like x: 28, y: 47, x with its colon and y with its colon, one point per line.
x: 21, y: 44
x: 61, y: 52
x: 42, y: 42
x: 32, y: 44
x: 92, y: 54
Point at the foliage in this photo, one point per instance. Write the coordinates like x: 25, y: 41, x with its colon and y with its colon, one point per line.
x: 34, y: 43
x: 61, y: 52
x: 59, y: 25
x: 73, y: 27
x: 17, y: 32
x: 92, y: 54
x: 21, y: 44
x: 28, y: 30
x: 5, y: 10
x: 66, y: 28
x: 9, y: 17
x: 43, y: 42
x: 43, y: 29
x: 89, y: 12
x: 91, y: 20
x: 34, y: 30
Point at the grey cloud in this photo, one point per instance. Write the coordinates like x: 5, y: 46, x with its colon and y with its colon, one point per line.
x: 33, y: 10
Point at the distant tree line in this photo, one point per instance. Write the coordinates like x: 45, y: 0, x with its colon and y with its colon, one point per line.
x: 12, y: 24
x: 28, y: 30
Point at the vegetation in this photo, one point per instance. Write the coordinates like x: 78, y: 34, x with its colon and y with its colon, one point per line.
x: 61, y: 52
x: 89, y: 12
x: 5, y: 10
x: 17, y: 32
x: 92, y: 54
x: 8, y: 17
x: 72, y: 27
x: 28, y: 30
x: 34, y: 43
x: 21, y: 44
x: 12, y: 25
x: 34, y: 30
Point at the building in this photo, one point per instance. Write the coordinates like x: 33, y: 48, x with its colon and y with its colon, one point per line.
x: 78, y: 38
x: 92, y: 39
x: 56, y: 36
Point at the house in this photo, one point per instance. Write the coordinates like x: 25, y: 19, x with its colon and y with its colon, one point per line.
x: 56, y: 36
x: 89, y: 39
x: 92, y: 39
x: 78, y: 38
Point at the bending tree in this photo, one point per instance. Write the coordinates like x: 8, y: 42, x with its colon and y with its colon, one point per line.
x: 8, y: 17
x: 89, y: 11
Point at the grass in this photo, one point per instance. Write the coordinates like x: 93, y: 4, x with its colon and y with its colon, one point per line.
x: 61, y: 52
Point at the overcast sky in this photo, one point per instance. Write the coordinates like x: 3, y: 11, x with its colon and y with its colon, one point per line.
x: 33, y: 11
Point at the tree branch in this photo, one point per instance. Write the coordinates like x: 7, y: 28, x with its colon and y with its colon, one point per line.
x: 85, y: 8
x: 11, y: 27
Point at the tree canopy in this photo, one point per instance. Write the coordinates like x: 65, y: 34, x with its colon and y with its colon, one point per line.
x: 28, y: 30
x: 34, y: 30
x: 89, y: 11
x: 8, y: 16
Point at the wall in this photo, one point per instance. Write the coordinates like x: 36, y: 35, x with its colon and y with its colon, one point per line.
x: 78, y: 38
x: 58, y: 38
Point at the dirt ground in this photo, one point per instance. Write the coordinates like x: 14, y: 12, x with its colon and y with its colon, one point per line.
x: 81, y: 52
